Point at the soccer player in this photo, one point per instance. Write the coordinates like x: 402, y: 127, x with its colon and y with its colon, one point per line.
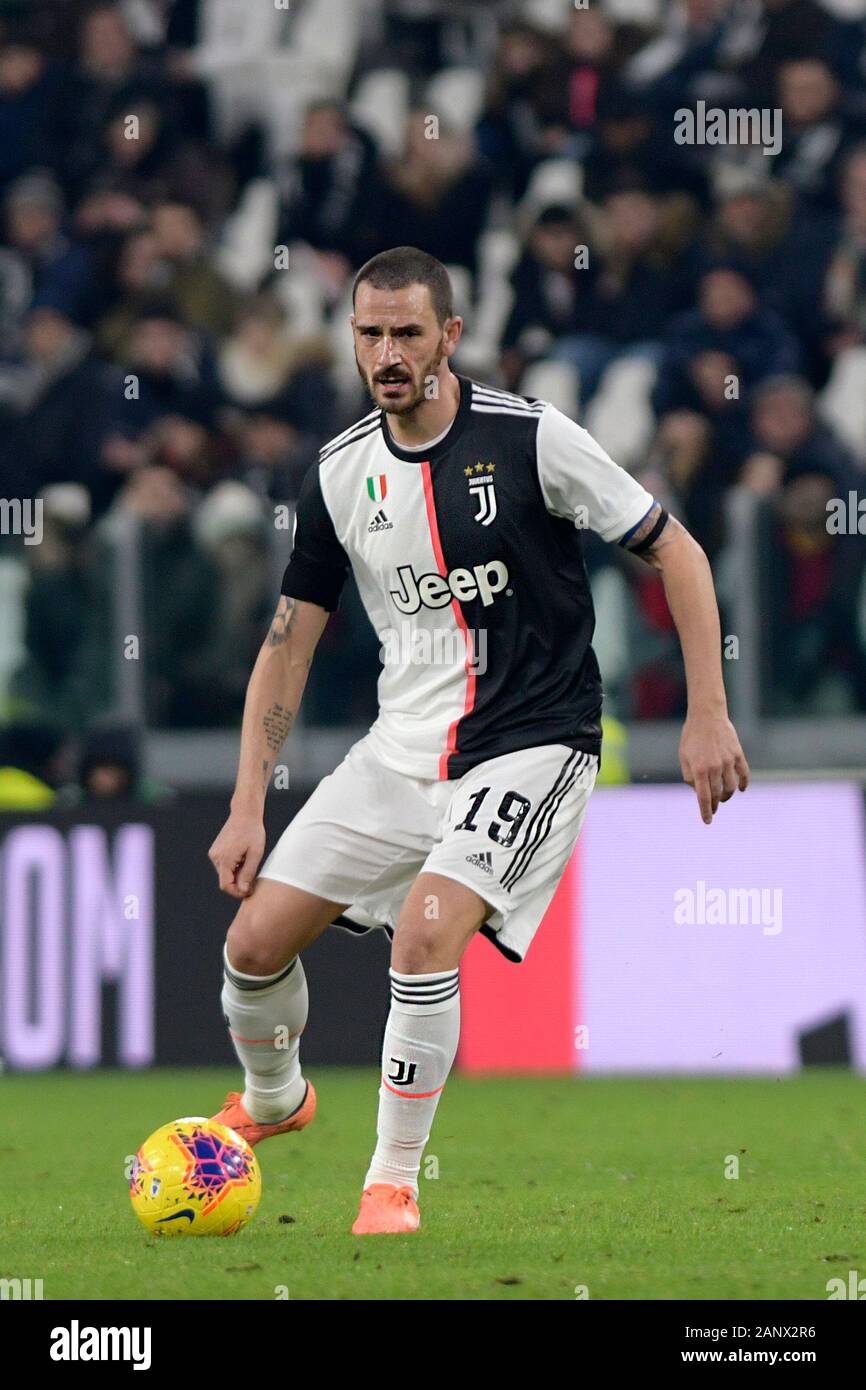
x: 459, y: 508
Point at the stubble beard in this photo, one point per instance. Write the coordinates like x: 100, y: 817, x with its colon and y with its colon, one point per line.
x: 417, y: 398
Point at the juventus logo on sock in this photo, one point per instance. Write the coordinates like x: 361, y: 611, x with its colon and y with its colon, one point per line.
x: 404, y: 1073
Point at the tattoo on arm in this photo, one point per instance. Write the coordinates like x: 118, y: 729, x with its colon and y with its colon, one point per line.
x: 649, y: 527
x: 277, y: 722
x: 266, y: 774
x: 281, y: 627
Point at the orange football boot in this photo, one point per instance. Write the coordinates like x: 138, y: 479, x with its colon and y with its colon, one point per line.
x: 235, y: 1116
x: 386, y: 1210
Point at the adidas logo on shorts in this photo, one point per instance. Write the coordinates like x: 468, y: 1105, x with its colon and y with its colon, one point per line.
x: 483, y: 861
x: 380, y: 523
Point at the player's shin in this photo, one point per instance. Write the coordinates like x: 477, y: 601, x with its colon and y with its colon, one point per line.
x: 420, y: 1042
x: 266, y: 1015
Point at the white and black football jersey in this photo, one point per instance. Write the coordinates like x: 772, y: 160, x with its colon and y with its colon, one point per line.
x: 468, y: 558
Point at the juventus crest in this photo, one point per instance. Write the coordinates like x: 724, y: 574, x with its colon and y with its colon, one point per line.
x: 482, y: 488
x: 403, y: 1073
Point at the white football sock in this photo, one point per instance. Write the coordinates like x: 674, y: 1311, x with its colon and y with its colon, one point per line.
x: 420, y: 1042
x: 266, y: 1015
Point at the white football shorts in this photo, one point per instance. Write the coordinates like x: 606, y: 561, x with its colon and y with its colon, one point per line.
x: 506, y: 829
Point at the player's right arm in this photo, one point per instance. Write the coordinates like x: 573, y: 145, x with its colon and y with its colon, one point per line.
x: 272, y: 701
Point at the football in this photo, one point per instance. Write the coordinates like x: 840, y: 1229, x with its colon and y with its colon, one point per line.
x: 194, y: 1177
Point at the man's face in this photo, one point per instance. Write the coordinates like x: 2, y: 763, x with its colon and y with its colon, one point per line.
x: 782, y: 421
x: 400, y: 345
x: 808, y: 90
x: 554, y: 243
x: 744, y: 218
x: 323, y: 134
x: 157, y: 345
x: 726, y: 298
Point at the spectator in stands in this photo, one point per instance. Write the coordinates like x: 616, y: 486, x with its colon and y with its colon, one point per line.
x: 109, y: 768
x: 140, y: 279
x: 788, y: 439
x: 139, y: 152
x: 816, y: 131
x: 553, y: 290
x: 677, y: 61
x: 273, y: 455
x: 757, y: 224
x: 197, y: 455
x: 512, y: 131
x: 700, y: 443
x: 634, y: 289
x: 816, y: 651
x: 791, y: 30
x: 58, y: 400
x: 728, y: 320
x: 437, y: 195
x: 330, y: 190
x: 165, y: 361
x: 690, y: 465
x: 590, y: 56
x: 113, y: 77
x: 60, y: 269
x: 632, y: 142
x: 31, y: 111
x: 263, y: 363
x: 202, y: 296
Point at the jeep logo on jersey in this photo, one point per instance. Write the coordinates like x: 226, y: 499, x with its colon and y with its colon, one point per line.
x: 437, y: 590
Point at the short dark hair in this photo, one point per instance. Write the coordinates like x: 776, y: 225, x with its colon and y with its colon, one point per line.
x: 406, y: 265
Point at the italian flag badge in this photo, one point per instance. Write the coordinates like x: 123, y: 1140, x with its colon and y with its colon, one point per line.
x: 377, y: 487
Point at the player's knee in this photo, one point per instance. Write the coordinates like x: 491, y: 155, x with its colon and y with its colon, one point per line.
x: 417, y: 947
x: 250, y: 945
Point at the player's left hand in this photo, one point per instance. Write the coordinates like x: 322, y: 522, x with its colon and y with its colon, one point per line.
x: 712, y: 761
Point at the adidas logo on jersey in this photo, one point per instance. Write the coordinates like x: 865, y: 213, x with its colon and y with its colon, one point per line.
x: 437, y: 590
x: 380, y: 523
x: 483, y: 860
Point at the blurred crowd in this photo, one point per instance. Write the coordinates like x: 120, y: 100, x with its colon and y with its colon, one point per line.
x: 186, y: 189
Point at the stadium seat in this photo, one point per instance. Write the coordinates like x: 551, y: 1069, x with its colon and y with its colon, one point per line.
x: 456, y: 96
x: 246, y: 251
x: 300, y: 291
x: 380, y: 105
x: 553, y: 181
x: 547, y: 14
x: 497, y: 252
x: 13, y: 589
x: 555, y: 382
x: 842, y: 403
x: 327, y: 33
x: 620, y: 415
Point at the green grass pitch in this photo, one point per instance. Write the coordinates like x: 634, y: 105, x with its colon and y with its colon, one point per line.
x: 544, y: 1184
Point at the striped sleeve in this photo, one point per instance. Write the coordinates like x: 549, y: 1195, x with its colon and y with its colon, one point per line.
x: 581, y: 482
x: 318, y: 566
